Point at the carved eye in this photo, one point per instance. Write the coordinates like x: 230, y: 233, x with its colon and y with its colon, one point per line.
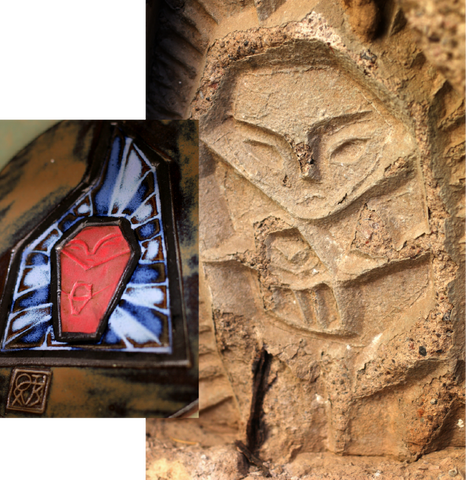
x: 288, y: 251
x: 349, y: 151
x: 267, y: 154
x: 292, y: 248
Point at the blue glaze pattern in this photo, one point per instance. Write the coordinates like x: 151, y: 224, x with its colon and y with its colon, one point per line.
x: 127, y: 187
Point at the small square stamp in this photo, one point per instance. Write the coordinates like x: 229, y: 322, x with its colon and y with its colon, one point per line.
x: 28, y: 390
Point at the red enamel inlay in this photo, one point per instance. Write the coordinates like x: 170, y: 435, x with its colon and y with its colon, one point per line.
x: 91, y: 265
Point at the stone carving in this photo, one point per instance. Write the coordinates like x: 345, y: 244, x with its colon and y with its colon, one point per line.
x: 327, y: 145
x: 28, y: 390
x: 296, y: 285
x: 331, y: 243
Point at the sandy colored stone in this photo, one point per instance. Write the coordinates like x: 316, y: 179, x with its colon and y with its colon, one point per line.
x: 440, y: 28
x: 332, y: 238
x: 355, y: 212
x: 364, y: 17
x: 168, y: 456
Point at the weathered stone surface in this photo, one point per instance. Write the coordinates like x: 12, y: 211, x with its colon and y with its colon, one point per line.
x: 364, y: 16
x: 440, y: 28
x: 189, y: 461
x: 180, y: 450
x: 332, y: 235
x: 347, y: 274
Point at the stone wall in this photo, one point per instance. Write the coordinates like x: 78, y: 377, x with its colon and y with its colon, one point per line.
x: 332, y: 219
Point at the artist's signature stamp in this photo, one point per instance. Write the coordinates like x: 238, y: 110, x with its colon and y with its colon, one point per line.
x: 28, y: 390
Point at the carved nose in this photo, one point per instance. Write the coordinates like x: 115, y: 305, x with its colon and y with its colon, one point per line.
x: 310, y: 170
x: 307, y: 160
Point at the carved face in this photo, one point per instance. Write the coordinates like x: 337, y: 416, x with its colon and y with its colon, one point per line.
x: 309, y: 139
x: 317, y: 145
x: 328, y: 255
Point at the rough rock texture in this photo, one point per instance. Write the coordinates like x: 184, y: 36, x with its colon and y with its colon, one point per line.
x: 440, y: 28
x: 364, y: 16
x: 332, y: 236
x: 182, y: 450
x: 338, y: 254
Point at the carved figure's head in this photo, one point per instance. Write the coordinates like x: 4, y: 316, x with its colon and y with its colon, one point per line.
x: 342, y: 256
x: 299, y: 124
x: 306, y: 133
